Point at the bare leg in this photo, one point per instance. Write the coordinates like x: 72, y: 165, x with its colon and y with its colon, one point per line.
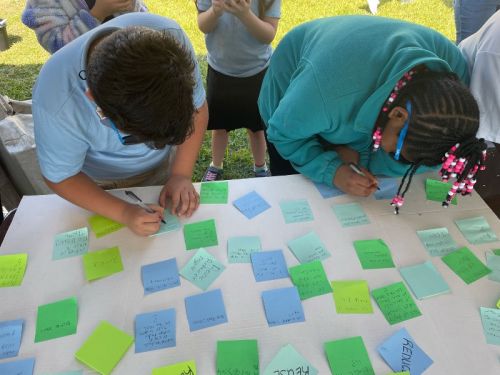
x: 258, y: 146
x: 220, y: 138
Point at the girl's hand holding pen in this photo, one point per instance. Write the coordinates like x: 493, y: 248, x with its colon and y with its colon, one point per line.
x: 350, y: 181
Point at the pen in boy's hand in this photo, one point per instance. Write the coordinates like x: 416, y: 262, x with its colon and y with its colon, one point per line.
x: 356, y: 169
x: 141, y: 204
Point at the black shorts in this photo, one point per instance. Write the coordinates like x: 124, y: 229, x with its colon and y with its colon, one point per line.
x: 232, y: 101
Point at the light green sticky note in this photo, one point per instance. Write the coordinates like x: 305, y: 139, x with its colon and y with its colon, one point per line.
x: 437, y: 190
x: 308, y: 248
x: 186, y: 368
x: 396, y: 303
x: 352, y: 297
x: 104, y: 348
x: 287, y: 361
x: 171, y: 224
x: 296, y: 211
x: 493, y: 263
x: 466, y: 265
x: 400, y: 373
x: 200, y: 234
x: 12, y: 268
x: 56, y: 319
x: 348, y: 356
x: 437, y: 241
x: 102, y: 263
x: 373, y: 254
x: 70, y: 244
x: 240, y: 248
x: 310, y: 279
x: 350, y: 214
x: 102, y: 226
x: 476, y: 230
x: 202, y: 269
x: 214, y: 192
x: 237, y: 357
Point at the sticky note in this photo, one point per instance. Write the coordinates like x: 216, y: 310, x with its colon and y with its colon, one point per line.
x: 240, y: 248
x: 396, y: 303
x: 202, y: 269
x: 21, y: 367
x: 476, y: 230
x: 12, y: 268
x: 328, y: 191
x: 160, y: 276
x: 282, y: 306
x: 348, y: 356
x: 251, y: 205
x: 308, y: 248
x: 310, y: 279
x: 437, y: 241
x: 155, y: 330
x: 437, y: 190
x: 102, y: 263
x: 200, y: 234
x: 104, y: 348
x: 237, y: 357
x: 186, y: 368
x: 56, y: 319
x: 388, y: 188
x: 102, y: 226
x: 296, y: 211
x: 76, y: 372
x: 289, y: 361
x: 373, y: 254
x: 214, y: 192
x: 350, y: 214
x: 466, y: 265
x: 205, y: 310
x: 402, y: 353
x: 11, y: 332
x: 70, y: 244
x: 424, y: 280
x: 352, y: 297
x: 493, y: 263
x: 269, y: 265
x: 491, y: 325
x: 171, y: 224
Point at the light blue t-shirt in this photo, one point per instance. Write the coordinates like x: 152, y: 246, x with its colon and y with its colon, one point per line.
x: 69, y: 134
x: 232, y: 50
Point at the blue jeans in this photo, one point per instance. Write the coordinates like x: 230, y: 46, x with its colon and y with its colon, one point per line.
x: 470, y: 15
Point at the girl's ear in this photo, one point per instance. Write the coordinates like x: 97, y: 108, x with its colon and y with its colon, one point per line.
x: 398, y: 113
x: 89, y: 95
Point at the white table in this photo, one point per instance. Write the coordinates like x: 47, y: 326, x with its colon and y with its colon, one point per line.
x: 449, y: 330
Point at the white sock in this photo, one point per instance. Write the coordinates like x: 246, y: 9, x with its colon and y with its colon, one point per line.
x: 261, y: 168
x: 217, y: 166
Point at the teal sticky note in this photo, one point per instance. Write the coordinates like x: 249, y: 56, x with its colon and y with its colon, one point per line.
x: 70, y: 244
x: 424, y: 280
x: 171, y: 224
x: 308, y: 248
x: 350, y: 214
x: 491, y: 325
x: 240, y: 248
x: 493, y: 263
x: 202, y: 269
x: 476, y: 230
x: 437, y: 241
x: 296, y: 211
x: 289, y: 361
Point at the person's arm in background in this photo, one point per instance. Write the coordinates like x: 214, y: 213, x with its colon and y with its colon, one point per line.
x: 208, y: 17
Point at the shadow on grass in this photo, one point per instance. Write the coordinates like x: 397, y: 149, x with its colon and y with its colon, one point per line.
x: 14, y: 39
x: 17, y: 80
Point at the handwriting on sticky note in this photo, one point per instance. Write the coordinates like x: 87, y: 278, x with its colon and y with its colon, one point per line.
x: 10, y: 337
x: 350, y: 214
x: 102, y: 226
x: 251, y: 204
x: 282, y: 306
x: 237, y: 357
x: 373, y: 254
x: 476, y: 230
x: 214, y: 192
x: 12, y: 268
x: 310, y: 279
x: 240, y: 248
x: 352, y: 297
x: 308, y: 248
x: 102, y: 263
x: 466, y: 265
x: 396, y: 303
x: 269, y: 265
x: 348, y: 357
x: 200, y: 234
x: 181, y: 368
x: 205, y: 310
x: 491, y: 325
x: 70, y: 244
x: 202, y: 269
x: 437, y: 241
x: 296, y: 211
x: 155, y: 330
x: 159, y: 276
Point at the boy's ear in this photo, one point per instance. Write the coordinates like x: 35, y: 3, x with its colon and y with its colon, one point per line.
x: 89, y: 95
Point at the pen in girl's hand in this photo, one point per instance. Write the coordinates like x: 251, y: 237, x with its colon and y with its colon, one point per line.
x: 141, y: 204
x: 356, y: 169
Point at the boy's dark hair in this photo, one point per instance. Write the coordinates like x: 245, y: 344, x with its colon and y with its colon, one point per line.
x: 142, y: 79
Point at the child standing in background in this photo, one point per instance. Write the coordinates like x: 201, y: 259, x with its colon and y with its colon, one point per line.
x: 238, y: 34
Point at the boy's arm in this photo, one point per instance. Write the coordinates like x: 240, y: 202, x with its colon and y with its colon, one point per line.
x: 208, y: 19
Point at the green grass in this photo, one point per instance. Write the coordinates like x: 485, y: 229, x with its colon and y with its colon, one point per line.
x: 20, y: 64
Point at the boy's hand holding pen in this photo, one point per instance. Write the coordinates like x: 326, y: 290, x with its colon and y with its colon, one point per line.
x: 142, y: 219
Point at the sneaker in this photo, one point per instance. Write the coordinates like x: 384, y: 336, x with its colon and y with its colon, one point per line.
x: 263, y: 173
x: 212, y: 174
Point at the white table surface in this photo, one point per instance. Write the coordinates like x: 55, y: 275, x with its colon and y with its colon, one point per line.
x: 449, y: 330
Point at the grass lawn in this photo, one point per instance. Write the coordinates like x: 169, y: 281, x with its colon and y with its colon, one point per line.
x: 20, y: 64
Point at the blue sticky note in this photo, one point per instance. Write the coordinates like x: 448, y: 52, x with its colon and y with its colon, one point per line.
x: 424, y: 280
x: 155, y: 330
x: 240, y: 248
x: 205, y: 310
x: 402, y: 353
x: 327, y: 191
x: 70, y: 244
x: 296, y: 211
x: 22, y: 367
x: 269, y: 265
x: 350, y: 214
x: 171, y: 224
x: 491, y: 325
x: 76, y: 372
x: 251, y: 204
x: 283, y: 306
x: 160, y: 276
x: 308, y: 248
x: 10, y: 337
x: 388, y: 188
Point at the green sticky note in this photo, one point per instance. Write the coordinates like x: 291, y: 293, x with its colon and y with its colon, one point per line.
x: 102, y: 263
x: 56, y: 319
x: 348, y: 356
x: 308, y: 248
x: 350, y: 214
x: 240, y: 248
x: 187, y: 368
x: 396, y: 303
x: 104, y: 348
x: 352, y: 297
x: 70, y: 244
x: 237, y: 357
x: 496, y: 251
x: 373, y: 254
x: 296, y: 211
x: 214, y: 192
x: 200, y: 234
x: 202, y: 269
x: 437, y: 241
x: 102, y: 226
x: 310, y: 279
x: 437, y: 190
x: 399, y: 373
x: 476, y: 230
x: 466, y: 265
x: 12, y: 268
